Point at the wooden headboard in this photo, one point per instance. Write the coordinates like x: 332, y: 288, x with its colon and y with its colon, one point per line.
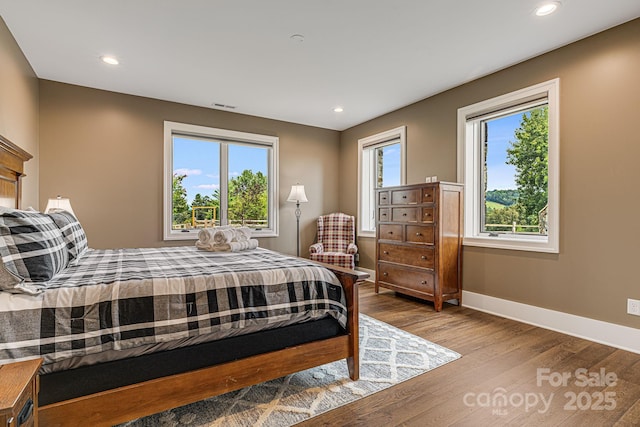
x: 12, y: 160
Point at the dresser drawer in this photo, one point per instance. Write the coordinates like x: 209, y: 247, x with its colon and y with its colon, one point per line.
x: 405, y: 214
x: 26, y: 406
x: 428, y: 195
x: 421, y: 281
x: 390, y: 232
x: 428, y: 215
x: 420, y: 234
x: 405, y: 197
x: 383, y: 197
x: 418, y: 256
x: 384, y: 214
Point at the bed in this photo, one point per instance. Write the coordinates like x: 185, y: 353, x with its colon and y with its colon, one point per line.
x: 91, y: 378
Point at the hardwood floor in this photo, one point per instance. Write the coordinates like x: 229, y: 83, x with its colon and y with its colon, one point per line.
x: 500, y: 359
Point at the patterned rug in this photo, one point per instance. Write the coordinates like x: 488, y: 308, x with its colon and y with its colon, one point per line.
x: 388, y: 356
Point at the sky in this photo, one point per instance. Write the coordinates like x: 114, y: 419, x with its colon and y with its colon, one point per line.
x: 500, y: 175
x: 391, y: 165
x: 200, y: 161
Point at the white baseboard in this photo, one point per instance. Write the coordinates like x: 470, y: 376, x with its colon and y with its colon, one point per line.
x: 618, y: 336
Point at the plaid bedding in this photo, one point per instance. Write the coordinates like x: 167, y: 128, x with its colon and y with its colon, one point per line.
x: 120, y: 299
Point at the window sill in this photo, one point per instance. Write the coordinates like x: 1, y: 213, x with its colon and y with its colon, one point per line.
x: 193, y: 235
x: 532, y: 244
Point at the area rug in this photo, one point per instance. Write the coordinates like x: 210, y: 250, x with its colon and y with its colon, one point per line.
x: 388, y: 356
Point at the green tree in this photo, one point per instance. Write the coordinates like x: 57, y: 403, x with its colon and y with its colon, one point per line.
x: 181, y: 210
x: 503, y: 215
x: 504, y: 197
x: 204, y: 201
x: 529, y: 153
x: 248, y: 197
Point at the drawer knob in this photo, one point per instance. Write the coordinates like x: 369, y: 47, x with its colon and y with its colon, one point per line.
x: 404, y: 214
x: 424, y: 282
x: 385, y: 252
x: 385, y: 274
x: 390, y: 232
x: 418, y: 234
x: 404, y: 197
x: 423, y: 257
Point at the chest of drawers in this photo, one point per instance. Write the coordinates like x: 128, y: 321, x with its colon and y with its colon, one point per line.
x: 419, y: 241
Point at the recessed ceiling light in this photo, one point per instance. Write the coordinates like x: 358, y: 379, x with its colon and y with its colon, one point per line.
x: 109, y: 60
x: 547, y: 8
x: 338, y: 109
x: 297, y: 38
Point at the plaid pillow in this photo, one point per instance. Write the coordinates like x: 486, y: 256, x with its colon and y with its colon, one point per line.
x: 73, y: 234
x: 31, y: 246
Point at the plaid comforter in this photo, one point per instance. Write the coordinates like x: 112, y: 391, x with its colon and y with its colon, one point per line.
x: 120, y: 299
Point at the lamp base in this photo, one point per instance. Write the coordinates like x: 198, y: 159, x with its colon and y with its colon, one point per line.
x: 298, y: 212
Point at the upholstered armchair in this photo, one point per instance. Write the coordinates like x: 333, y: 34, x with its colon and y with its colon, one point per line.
x: 336, y: 240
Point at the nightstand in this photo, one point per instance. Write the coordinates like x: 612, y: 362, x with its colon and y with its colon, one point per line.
x: 19, y: 393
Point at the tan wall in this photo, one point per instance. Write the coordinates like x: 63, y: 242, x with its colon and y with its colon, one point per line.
x: 104, y: 151
x: 595, y: 271
x: 19, y: 109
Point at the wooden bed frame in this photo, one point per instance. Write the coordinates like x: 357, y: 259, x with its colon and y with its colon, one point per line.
x: 137, y: 400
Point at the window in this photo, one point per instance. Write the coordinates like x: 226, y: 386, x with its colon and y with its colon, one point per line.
x: 218, y: 177
x: 381, y: 163
x: 508, y: 159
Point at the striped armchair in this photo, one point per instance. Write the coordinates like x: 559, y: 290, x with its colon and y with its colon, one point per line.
x: 336, y: 240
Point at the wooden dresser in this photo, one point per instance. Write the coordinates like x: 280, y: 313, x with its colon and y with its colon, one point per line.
x: 419, y: 241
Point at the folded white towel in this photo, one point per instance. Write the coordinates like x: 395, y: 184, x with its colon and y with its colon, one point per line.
x: 244, y: 245
x: 225, y: 239
x: 242, y: 234
x: 204, y: 237
x: 207, y: 236
x: 223, y: 236
x: 224, y: 247
x: 209, y: 246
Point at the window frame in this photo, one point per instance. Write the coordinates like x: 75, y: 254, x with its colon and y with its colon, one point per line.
x: 469, y: 168
x: 224, y: 136
x: 381, y: 139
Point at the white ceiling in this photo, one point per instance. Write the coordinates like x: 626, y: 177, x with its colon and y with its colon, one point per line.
x: 368, y: 56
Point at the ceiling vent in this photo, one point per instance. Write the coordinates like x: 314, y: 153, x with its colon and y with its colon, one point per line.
x: 229, y: 107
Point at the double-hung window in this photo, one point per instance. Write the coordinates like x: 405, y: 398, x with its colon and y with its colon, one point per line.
x: 381, y: 163
x: 508, y: 159
x: 218, y: 177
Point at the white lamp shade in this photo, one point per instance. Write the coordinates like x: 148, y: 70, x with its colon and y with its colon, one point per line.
x: 59, y: 203
x: 297, y: 194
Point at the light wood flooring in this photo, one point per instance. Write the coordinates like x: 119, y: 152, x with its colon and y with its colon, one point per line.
x: 500, y: 358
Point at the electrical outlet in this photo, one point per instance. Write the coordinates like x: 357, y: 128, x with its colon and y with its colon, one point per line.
x: 633, y: 306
